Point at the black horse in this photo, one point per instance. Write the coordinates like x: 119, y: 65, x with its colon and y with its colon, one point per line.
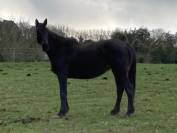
x: 70, y: 59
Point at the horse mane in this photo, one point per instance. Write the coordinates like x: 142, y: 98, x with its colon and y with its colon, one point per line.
x: 62, y: 41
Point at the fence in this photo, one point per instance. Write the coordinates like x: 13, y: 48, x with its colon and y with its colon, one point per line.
x: 36, y: 54
x: 17, y: 55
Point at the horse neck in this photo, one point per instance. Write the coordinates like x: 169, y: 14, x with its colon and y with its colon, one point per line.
x: 55, y: 39
x: 58, y: 43
x: 55, y: 43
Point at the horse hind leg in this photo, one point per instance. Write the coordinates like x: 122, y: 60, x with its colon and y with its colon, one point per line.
x: 132, y: 76
x: 129, y: 89
x: 119, y: 90
x: 123, y: 82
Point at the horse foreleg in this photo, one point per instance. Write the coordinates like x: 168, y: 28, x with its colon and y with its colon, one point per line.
x: 63, y: 94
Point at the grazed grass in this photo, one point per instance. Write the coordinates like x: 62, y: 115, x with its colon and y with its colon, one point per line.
x: 29, y: 101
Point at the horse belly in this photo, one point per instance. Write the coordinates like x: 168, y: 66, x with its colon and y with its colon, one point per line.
x: 87, y: 69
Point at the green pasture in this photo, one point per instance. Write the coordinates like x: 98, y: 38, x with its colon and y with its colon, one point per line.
x: 29, y: 101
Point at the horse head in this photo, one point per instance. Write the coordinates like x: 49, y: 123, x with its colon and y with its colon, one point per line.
x: 42, y: 34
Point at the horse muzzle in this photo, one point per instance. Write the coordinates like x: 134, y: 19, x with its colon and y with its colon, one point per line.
x: 45, y: 46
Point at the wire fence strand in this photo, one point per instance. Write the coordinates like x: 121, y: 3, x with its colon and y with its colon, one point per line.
x: 19, y: 55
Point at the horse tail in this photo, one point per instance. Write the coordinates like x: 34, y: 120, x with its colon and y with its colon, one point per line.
x: 132, y: 74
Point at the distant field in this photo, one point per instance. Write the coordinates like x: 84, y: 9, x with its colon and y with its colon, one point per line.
x: 29, y: 101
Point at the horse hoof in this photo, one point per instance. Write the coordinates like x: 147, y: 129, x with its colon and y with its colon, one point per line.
x: 129, y: 113
x: 61, y: 114
x: 114, y: 112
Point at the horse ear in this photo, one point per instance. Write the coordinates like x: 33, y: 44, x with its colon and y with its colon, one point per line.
x: 45, y: 22
x: 36, y: 22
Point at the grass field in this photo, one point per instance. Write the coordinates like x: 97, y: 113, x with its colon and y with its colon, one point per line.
x: 29, y: 101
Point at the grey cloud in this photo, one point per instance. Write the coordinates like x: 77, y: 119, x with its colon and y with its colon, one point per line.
x: 98, y: 13
x: 147, y: 13
x: 78, y: 12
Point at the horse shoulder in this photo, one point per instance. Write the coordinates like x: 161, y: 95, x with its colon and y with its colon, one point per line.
x: 59, y: 64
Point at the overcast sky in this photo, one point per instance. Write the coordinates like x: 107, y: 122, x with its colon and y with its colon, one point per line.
x: 105, y: 14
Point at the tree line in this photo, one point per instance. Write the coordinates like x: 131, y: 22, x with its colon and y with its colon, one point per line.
x: 18, y: 42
